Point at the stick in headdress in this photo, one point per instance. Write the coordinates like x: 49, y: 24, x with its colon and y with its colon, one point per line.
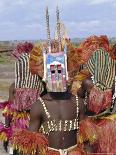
x: 48, y: 30
x: 58, y: 28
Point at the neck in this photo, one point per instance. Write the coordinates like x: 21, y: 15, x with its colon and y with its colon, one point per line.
x: 60, y: 95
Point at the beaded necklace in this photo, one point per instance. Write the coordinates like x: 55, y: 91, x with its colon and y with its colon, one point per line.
x: 93, y: 80
x: 59, y: 125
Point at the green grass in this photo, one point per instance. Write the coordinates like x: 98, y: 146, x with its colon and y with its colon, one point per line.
x: 5, y: 58
x: 4, y: 87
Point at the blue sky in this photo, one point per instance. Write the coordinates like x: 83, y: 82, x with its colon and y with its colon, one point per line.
x: 25, y: 19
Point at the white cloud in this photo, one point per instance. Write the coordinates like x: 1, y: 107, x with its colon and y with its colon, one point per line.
x: 7, y: 24
x: 84, y: 25
x: 97, y: 2
x: 87, y: 28
x: 68, y: 2
x: 2, y: 5
x: 26, y: 18
x: 33, y: 25
x: 5, y: 4
x: 115, y: 4
x: 19, y: 2
x: 89, y: 24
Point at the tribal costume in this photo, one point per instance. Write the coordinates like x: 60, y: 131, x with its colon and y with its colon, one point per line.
x: 27, y: 89
x: 52, y: 62
x: 100, y: 130
x: 57, y: 66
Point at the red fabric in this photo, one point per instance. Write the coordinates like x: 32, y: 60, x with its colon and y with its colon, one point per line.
x: 24, y: 98
x: 107, y: 137
x: 99, y: 100
x: 105, y: 129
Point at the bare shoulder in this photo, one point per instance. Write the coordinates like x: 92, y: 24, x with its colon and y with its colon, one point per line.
x: 36, y: 108
x: 73, y: 98
x: 47, y: 97
x: 87, y: 82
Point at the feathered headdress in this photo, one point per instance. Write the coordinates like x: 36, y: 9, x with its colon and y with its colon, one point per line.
x: 73, y: 54
x: 21, y: 48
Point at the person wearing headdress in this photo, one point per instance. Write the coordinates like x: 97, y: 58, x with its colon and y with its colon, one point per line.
x: 22, y: 94
x: 54, y: 118
x: 97, y: 91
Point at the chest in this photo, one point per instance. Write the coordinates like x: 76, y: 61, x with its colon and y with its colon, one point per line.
x: 61, y: 109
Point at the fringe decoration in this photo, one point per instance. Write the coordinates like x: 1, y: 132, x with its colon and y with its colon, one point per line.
x: 8, y: 110
x: 27, y: 142
x: 22, y: 48
x: 98, y: 104
x: 77, y: 80
x: 91, y: 44
x: 113, y: 52
x: 5, y: 133
x: 21, y: 120
x: 88, y: 131
x: 101, y: 133
x: 3, y: 104
x: 107, y: 135
x: 36, y: 61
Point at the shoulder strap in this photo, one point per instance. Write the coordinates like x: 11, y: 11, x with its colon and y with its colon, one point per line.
x: 44, y: 106
x: 77, y: 103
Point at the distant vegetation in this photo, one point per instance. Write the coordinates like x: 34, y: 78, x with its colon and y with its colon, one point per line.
x: 5, y: 58
x: 9, y: 45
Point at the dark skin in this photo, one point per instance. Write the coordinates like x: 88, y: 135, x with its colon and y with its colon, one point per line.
x: 61, y: 106
x: 85, y: 89
x: 86, y: 86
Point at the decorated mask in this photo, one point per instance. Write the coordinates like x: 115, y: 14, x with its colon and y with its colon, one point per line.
x: 55, y: 60
x: 55, y: 71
